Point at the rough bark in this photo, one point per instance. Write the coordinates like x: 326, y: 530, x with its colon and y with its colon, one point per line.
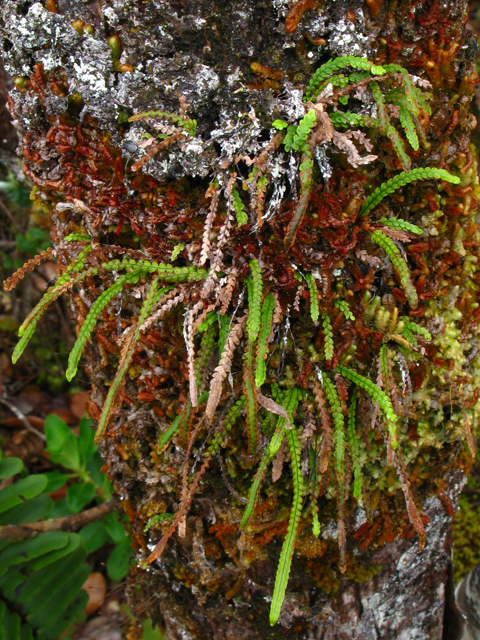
x: 217, y: 582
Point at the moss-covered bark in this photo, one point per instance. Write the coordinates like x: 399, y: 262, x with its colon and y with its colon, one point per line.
x: 81, y: 71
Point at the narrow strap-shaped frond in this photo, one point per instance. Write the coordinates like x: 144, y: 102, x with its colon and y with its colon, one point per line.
x: 299, y: 137
x: 27, y: 328
x: 286, y: 555
x: 227, y: 423
x: 377, y: 395
x: 254, y: 300
x: 416, y: 328
x: 289, y: 403
x: 399, y: 148
x: 410, y: 92
x: 312, y: 287
x: 401, y: 225
x: 265, y: 329
x: 402, y: 179
x: 174, y: 428
x: 306, y: 179
x: 408, y: 126
x: 91, y: 320
x: 339, y: 429
x: 250, y: 391
x: 327, y: 329
x: 125, y: 360
x: 347, y: 119
x: 383, y: 118
x: 353, y: 442
x: 189, y: 125
x: 239, y: 208
x: 399, y: 264
x: 345, y: 309
x: 330, y: 67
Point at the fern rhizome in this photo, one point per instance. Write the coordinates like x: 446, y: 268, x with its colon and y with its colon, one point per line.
x: 292, y: 332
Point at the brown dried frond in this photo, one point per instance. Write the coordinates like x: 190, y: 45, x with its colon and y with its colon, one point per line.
x: 326, y: 426
x: 190, y: 344
x: 11, y: 282
x: 412, y: 511
x: 273, y: 407
x: 343, y: 142
x: 182, y: 511
x: 396, y: 234
x: 298, y: 295
x: 214, y: 193
x: 278, y: 313
x: 224, y: 366
x: 277, y: 466
x: 342, y: 392
x: 163, y: 306
x: 225, y: 295
x: 156, y: 148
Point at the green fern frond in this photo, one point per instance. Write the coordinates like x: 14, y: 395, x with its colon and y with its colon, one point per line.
x: 177, y: 250
x: 265, y: 329
x: 228, y: 422
x: 330, y: 67
x: 345, y: 309
x: 254, y: 300
x: 336, y: 81
x: 126, y: 360
x: 190, y: 126
x: 383, y: 119
x: 239, y: 208
x: 298, y: 141
x: 166, y: 272
x: 286, y: 555
x: 289, y: 403
x: 410, y: 90
x: 353, y: 442
x: 402, y: 179
x: 212, y: 316
x: 312, y: 287
x: 339, y: 429
x: 174, y: 428
x: 77, y: 237
x: 91, y: 320
x: 306, y: 180
x: 399, y: 264
x: 408, y: 126
x: 327, y: 328
x: 383, y: 355
x: 250, y: 393
x: 377, y: 395
x: 401, y: 225
x: 223, y: 333
x: 416, y: 328
x: 399, y: 147
x: 27, y: 328
x: 347, y: 119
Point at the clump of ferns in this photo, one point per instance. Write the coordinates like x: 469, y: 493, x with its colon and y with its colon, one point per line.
x: 231, y: 318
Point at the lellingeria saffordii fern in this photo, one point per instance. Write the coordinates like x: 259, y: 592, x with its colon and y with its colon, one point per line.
x: 248, y: 338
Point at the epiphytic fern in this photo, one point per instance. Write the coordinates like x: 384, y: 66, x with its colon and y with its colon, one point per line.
x: 401, y: 225
x: 345, y: 309
x: 353, y: 442
x: 297, y: 137
x: 189, y: 125
x: 402, y: 179
x: 265, y: 329
x: 227, y: 423
x: 312, y: 287
x: 399, y: 265
x: 306, y: 178
x: 250, y: 392
x: 125, y: 359
x: 239, y: 207
x: 330, y: 67
x: 255, y: 286
x: 286, y: 555
x: 327, y: 329
x: 377, y: 395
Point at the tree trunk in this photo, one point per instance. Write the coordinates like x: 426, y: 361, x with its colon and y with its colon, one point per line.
x: 82, y: 69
